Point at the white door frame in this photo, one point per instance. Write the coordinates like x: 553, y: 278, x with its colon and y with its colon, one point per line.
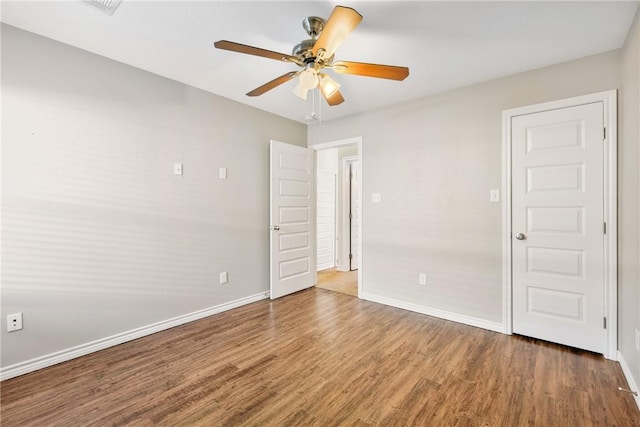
x: 609, y: 100
x: 341, y: 143
x: 344, y: 215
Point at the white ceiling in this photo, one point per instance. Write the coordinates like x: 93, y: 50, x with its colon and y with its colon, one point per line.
x: 445, y: 44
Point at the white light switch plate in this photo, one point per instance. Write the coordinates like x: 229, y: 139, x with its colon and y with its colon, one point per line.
x: 222, y: 173
x: 495, y: 195
x: 422, y: 279
x: 177, y: 168
x: 375, y: 198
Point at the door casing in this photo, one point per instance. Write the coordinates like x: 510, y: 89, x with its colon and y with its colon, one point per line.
x: 609, y: 100
x: 346, y: 210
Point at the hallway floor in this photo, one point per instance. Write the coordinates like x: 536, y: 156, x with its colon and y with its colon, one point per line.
x: 345, y: 282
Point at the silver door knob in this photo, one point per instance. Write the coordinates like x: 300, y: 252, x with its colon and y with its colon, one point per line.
x: 275, y: 227
x: 521, y: 236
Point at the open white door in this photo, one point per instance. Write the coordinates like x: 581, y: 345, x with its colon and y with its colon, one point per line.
x: 292, y: 214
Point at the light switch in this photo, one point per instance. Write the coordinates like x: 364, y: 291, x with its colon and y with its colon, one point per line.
x: 375, y: 198
x: 222, y: 173
x: 177, y: 168
x: 495, y: 195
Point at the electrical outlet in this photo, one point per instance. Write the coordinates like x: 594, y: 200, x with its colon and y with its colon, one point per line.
x: 422, y: 279
x: 14, y: 322
x: 224, y: 278
x: 637, y: 340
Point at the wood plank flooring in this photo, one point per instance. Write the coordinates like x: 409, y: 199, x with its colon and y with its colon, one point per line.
x: 322, y: 358
x: 345, y: 282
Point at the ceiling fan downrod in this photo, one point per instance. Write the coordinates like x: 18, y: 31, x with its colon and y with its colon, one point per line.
x: 313, y: 25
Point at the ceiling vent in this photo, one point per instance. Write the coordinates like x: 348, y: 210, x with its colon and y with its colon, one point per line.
x: 106, y: 6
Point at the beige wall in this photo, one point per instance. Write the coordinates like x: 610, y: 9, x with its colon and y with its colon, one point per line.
x: 434, y: 161
x: 628, y: 203
x: 98, y: 236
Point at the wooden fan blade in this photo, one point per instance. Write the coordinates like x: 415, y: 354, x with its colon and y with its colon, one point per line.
x: 334, y: 99
x: 371, y: 70
x: 250, y: 50
x: 273, y: 83
x: 339, y: 25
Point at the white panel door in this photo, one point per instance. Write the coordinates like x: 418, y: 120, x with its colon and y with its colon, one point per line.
x: 291, y: 198
x: 557, y: 226
x: 355, y: 216
x: 326, y: 219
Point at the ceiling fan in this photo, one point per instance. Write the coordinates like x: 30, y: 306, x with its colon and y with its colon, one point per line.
x: 315, y: 54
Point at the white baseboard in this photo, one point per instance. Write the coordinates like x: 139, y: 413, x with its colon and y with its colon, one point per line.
x: 91, y: 347
x: 442, y: 314
x: 631, y: 382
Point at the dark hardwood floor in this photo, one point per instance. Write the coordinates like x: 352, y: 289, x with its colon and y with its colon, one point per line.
x: 324, y: 358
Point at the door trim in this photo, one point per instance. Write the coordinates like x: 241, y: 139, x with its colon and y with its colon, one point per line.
x: 609, y: 100
x: 344, y: 215
x: 341, y: 143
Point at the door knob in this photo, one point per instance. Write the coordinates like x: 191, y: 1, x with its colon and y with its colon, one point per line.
x: 521, y: 236
x: 275, y: 227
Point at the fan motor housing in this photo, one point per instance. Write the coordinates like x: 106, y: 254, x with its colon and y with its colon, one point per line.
x: 304, y: 50
x: 313, y: 25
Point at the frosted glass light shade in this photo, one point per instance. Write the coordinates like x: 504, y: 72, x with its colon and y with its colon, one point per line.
x: 300, y: 91
x: 328, y: 86
x: 308, y: 79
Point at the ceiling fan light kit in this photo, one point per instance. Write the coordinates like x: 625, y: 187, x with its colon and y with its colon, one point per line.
x: 316, y: 53
x: 308, y: 78
x: 328, y: 86
x: 300, y: 91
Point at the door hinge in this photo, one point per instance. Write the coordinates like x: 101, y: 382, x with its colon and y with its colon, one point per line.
x: 605, y: 323
x: 350, y: 257
x: 604, y: 227
x: 604, y: 133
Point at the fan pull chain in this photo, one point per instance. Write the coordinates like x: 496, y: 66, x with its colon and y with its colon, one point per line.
x: 319, y: 105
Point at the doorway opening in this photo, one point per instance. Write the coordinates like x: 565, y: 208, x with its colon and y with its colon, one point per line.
x: 338, y: 216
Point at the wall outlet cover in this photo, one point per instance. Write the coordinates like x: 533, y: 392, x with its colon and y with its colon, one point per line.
x: 224, y: 278
x: 422, y: 279
x: 14, y: 322
x: 637, y: 340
